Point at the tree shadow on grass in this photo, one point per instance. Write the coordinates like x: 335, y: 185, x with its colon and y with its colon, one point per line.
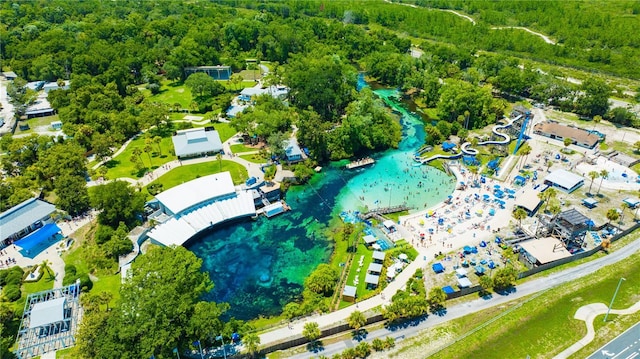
x: 485, y: 294
x: 112, y: 163
x: 315, y: 346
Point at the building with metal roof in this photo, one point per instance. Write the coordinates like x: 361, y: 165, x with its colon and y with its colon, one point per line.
x: 197, y: 205
x: 529, y: 201
x: 217, y: 72
x: 564, y: 180
x: 569, y: 226
x: 556, y: 131
x: 196, y: 142
x: 49, y: 321
x: 24, y: 218
x: 292, y: 150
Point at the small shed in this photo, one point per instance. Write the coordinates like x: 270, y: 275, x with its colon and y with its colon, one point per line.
x: 349, y: 293
x: 389, y: 224
x: 369, y: 239
x: 378, y: 256
x: 631, y: 202
x: 374, y: 268
x: 461, y: 272
x: 372, y: 280
x: 589, y: 202
x: 56, y: 125
x: 437, y: 267
x: 464, y: 282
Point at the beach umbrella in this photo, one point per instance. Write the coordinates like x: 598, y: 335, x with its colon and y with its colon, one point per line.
x: 403, y: 256
x: 479, y: 211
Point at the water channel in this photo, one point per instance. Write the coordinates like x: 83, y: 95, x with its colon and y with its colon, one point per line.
x: 259, y: 266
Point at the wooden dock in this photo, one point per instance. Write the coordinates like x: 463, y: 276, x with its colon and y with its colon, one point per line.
x: 383, y: 210
x: 360, y: 163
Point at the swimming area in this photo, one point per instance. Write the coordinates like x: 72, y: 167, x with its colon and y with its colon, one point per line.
x: 259, y: 266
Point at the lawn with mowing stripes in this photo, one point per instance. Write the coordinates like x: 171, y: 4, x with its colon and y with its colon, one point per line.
x: 545, y: 326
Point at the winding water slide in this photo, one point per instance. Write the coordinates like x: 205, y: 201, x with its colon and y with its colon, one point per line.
x: 464, y: 149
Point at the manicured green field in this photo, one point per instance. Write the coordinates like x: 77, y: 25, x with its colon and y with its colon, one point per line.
x: 545, y: 326
x: 121, y: 165
x: 255, y: 158
x: 186, y: 173
x: 239, y: 148
x: 172, y: 93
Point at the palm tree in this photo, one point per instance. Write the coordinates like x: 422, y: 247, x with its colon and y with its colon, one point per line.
x: 603, y: 174
x: 251, y: 341
x: 311, y: 331
x: 596, y: 120
x: 547, y: 196
x: 524, y: 152
x: 138, y: 152
x: 613, y: 215
x: 45, y: 267
x: 356, y: 321
x: 219, y: 157
x: 593, y: 175
x: 147, y: 149
x: 549, y: 164
x: 157, y: 140
x: 520, y: 214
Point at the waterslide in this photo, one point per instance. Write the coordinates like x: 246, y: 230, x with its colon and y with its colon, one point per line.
x: 464, y: 149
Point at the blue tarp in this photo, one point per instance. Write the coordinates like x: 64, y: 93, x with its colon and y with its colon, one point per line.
x: 437, y: 267
x: 448, y: 289
x: 446, y: 146
x: 34, y: 239
x: 493, y: 164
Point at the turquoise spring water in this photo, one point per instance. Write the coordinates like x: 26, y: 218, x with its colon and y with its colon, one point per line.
x: 259, y: 266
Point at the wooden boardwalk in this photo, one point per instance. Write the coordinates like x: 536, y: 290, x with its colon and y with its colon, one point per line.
x: 360, y: 163
x: 383, y: 210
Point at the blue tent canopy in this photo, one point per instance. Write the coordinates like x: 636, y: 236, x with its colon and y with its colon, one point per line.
x: 437, y: 267
x: 446, y: 146
x: 448, y: 289
x: 34, y: 239
x: 493, y: 164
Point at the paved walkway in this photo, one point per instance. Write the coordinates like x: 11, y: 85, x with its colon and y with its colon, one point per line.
x: 588, y: 314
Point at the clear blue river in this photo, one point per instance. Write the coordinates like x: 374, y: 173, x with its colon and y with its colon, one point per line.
x: 259, y: 266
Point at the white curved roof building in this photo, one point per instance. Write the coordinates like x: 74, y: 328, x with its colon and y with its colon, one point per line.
x: 198, y: 205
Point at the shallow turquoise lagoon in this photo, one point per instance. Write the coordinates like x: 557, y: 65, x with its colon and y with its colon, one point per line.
x: 259, y: 266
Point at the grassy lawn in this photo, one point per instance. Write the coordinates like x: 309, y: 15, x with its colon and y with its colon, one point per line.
x: 240, y: 86
x: 239, y: 148
x: 121, y: 165
x: 544, y: 326
x: 108, y: 283
x: 361, y: 251
x: 35, y: 123
x: 255, y: 158
x: 182, y: 174
x: 224, y: 130
x: 68, y: 353
x: 623, y: 147
x: 172, y: 93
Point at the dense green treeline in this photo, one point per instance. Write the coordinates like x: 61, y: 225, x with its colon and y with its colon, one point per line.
x: 591, y: 35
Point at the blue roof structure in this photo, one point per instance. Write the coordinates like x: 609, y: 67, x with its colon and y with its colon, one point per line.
x: 437, y: 267
x: 446, y: 146
x: 493, y: 164
x: 36, y: 238
x: 448, y: 289
x: 23, y: 215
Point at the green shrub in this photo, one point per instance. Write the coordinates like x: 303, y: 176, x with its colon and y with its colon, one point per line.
x: 12, y: 275
x: 70, y: 269
x: 12, y: 292
x: 85, y: 282
x: 103, y: 234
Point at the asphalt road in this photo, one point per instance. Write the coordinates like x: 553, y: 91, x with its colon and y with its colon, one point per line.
x: 460, y: 310
x: 624, y: 346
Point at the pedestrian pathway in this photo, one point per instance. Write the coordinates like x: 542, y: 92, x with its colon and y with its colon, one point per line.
x: 588, y: 314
